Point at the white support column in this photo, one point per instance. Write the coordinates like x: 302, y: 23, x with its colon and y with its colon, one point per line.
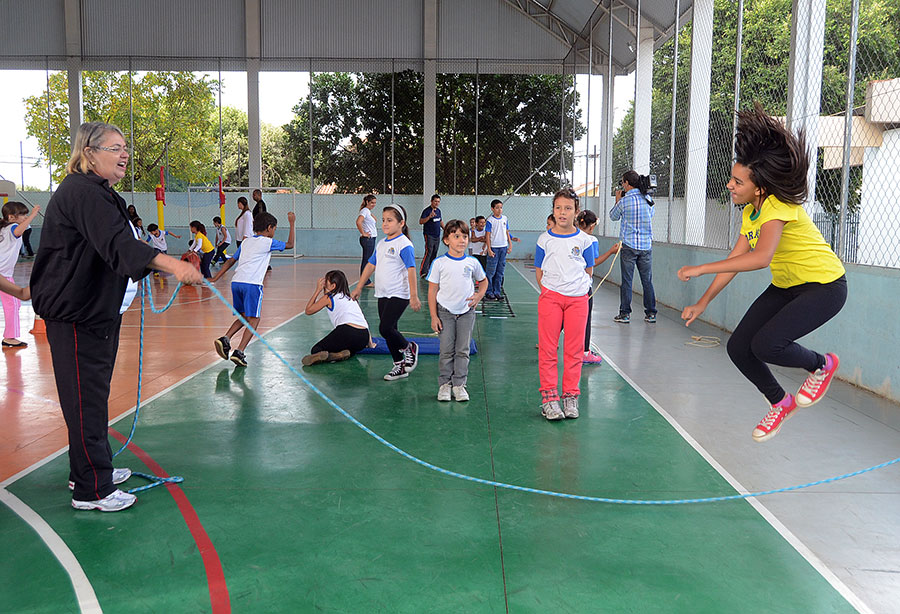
x: 805, y: 77
x: 73, y: 65
x: 643, y: 97
x: 429, y: 49
x: 607, y: 121
x: 254, y: 146
x: 698, y: 122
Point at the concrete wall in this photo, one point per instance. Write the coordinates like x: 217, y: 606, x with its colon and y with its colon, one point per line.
x: 865, y: 334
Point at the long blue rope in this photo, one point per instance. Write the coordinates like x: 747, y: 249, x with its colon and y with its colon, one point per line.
x: 153, y: 479
x: 463, y: 476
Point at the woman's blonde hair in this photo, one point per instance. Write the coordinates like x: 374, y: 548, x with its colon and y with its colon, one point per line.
x: 90, y: 134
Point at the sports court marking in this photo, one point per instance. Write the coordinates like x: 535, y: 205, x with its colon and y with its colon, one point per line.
x: 84, y: 592
x: 776, y: 524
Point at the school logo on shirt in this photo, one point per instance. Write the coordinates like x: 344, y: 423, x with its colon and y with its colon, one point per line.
x: 576, y: 252
x: 468, y: 272
x: 391, y: 251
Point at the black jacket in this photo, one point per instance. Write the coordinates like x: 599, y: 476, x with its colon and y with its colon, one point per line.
x: 86, y: 255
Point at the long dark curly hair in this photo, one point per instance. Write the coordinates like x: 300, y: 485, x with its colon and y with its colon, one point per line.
x: 778, y: 160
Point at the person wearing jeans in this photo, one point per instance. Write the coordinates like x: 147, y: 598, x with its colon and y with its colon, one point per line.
x: 644, y: 260
x: 635, y: 209
x: 432, y: 225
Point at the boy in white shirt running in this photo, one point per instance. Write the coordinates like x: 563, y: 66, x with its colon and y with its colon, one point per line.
x: 247, y: 283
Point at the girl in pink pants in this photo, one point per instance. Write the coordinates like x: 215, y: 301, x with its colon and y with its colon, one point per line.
x: 14, y: 223
x: 564, y: 261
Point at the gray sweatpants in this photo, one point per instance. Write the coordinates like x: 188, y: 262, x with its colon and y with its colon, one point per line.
x: 456, y: 335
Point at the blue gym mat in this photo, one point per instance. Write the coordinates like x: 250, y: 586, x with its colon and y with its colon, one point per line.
x: 427, y: 345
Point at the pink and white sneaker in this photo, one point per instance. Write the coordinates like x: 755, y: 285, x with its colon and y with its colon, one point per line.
x: 769, y: 426
x: 590, y: 358
x: 816, y: 385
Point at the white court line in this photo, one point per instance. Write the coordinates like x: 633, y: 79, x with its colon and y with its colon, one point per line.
x: 763, y: 511
x: 84, y: 592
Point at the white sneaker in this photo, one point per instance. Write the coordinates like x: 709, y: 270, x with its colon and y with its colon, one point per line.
x: 551, y: 411
x: 119, y: 476
x: 570, y: 407
x: 444, y: 392
x: 460, y: 393
x: 114, y: 502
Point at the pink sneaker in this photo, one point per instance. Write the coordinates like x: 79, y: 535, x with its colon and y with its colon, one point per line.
x: 769, y: 426
x: 816, y: 385
x: 590, y: 358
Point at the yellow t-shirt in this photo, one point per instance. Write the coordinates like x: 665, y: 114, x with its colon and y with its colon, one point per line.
x: 802, y: 255
x: 206, y: 245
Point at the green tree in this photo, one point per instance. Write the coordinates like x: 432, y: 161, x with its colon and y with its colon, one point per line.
x: 277, y: 169
x: 173, y: 120
x: 764, y: 77
x: 519, y: 127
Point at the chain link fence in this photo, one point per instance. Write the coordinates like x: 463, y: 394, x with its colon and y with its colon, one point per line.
x: 510, y: 132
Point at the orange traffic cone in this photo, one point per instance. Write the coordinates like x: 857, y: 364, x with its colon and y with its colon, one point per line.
x: 40, y: 327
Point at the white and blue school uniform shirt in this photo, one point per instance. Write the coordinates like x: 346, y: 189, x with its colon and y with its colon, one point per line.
x: 252, y: 261
x: 10, y: 245
x: 562, y: 259
x: 344, y: 310
x: 596, y: 247
x: 456, y: 278
x: 160, y: 241
x: 391, y: 259
x: 498, y: 227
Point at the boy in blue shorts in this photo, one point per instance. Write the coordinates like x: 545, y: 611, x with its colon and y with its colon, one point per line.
x: 252, y: 259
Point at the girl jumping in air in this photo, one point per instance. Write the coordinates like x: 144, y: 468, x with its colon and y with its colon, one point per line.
x: 394, y: 265
x: 564, y: 262
x: 351, y: 331
x: 808, y: 283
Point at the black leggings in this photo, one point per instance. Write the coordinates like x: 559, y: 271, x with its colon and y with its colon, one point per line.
x: 587, y: 327
x: 343, y: 337
x: 768, y: 331
x: 389, y: 312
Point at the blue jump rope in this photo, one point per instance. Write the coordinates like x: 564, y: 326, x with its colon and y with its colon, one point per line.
x: 156, y: 481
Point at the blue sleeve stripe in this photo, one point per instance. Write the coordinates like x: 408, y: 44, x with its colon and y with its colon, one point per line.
x: 538, y: 256
x: 408, y: 256
x: 372, y: 258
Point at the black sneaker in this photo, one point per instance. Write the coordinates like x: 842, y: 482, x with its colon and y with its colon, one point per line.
x: 622, y: 318
x: 411, y: 356
x: 399, y: 371
x: 238, y: 358
x: 223, y: 347
x: 650, y: 318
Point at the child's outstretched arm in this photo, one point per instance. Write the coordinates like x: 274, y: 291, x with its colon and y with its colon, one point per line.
x: 228, y: 264
x: 174, y: 235
x: 292, y: 217
x: 12, y: 289
x: 692, y: 312
x: 605, y: 255
x: 414, y: 301
x: 367, y: 272
x: 21, y: 228
x: 316, y: 304
x: 433, y: 288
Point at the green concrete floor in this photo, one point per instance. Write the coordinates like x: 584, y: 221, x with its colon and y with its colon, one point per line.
x: 307, y: 513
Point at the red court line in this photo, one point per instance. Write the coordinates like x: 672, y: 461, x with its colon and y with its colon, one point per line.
x: 215, y: 577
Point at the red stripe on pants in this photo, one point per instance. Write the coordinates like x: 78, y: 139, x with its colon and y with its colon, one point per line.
x: 558, y: 313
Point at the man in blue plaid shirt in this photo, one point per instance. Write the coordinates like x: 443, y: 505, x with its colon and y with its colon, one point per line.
x: 635, y: 210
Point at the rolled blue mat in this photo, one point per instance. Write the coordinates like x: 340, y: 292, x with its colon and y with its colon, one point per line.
x: 427, y: 345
